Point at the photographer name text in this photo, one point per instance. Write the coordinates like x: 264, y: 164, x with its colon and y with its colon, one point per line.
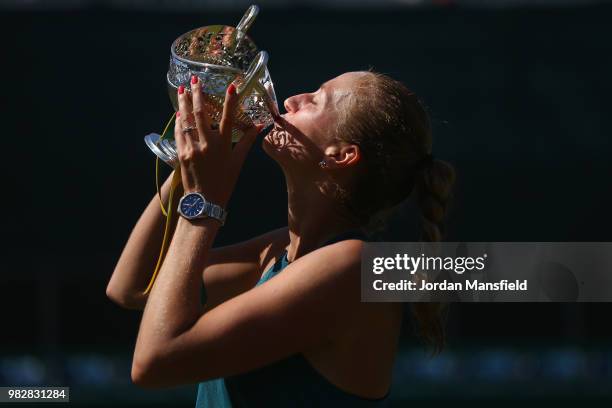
x: 407, y: 285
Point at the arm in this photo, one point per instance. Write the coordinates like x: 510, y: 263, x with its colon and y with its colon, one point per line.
x: 308, y: 305
x: 234, y: 269
x: 313, y: 301
x: 137, y: 262
x: 229, y: 270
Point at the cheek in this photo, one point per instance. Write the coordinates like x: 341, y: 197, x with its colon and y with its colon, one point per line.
x: 321, y: 129
x: 315, y: 126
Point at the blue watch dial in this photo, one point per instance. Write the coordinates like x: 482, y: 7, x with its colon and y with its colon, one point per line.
x: 192, y: 205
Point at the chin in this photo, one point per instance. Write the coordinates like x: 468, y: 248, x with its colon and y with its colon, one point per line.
x: 265, y: 144
x: 275, y: 140
x: 281, y: 146
x: 270, y: 145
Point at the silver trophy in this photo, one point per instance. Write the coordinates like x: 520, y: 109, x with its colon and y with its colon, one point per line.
x: 220, y: 55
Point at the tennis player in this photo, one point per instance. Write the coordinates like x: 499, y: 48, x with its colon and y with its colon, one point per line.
x: 280, y: 322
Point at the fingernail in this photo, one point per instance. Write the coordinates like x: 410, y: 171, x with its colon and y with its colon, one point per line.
x: 194, y: 79
x: 181, y: 89
x: 178, y: 114
x: 231, y: 89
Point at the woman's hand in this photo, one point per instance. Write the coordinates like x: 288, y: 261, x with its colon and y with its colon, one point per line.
x: 208, y: 163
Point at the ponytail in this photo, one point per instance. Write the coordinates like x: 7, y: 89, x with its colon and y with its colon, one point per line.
x: 433, y: 190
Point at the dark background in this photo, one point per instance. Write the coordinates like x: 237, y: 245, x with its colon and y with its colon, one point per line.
x: 519, y: 100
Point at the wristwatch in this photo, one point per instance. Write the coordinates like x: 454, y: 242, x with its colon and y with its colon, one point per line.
x: 194, y: 205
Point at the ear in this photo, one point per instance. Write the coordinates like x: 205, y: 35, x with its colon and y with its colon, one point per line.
x: 345, y: 155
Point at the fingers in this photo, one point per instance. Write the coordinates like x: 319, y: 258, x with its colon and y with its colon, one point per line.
x: 200, y: 113
x: 229, y: 109
x: 184, y: 140
x: 186, y: 115
x: 179, y: 137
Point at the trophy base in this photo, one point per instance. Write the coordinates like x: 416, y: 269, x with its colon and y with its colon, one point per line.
x: 164, y: 149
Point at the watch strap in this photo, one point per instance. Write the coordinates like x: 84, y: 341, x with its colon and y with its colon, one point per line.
x: 210, y: 210
x: 214, y: 211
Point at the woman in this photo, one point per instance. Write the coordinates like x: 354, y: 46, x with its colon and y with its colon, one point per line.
x: 301, y: 337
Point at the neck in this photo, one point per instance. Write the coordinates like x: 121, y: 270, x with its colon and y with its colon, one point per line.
x: 313, y: 218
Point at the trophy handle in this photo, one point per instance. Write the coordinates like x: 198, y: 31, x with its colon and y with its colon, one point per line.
x: 245, y: 23
x: 267, y: 92
x: 253, y: 74
x: 247, y: 19
x: 256, y: 71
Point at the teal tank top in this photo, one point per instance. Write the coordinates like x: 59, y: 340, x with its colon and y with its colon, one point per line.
x: 291, y: 382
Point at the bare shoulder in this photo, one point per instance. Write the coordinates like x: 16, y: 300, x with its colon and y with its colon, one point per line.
x: 349, y: 248
x: 345, y: 255
x: 336, y: 265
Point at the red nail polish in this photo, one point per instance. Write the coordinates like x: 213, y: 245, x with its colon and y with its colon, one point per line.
x: 194, y: 79
x: 231, y: 89
x: 181, y: 89
x: 178, y: 114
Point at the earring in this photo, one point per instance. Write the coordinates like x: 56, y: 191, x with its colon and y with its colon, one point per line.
x: 323, y: 164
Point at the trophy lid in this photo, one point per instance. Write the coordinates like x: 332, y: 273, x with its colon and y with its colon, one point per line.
x: 219, y: 45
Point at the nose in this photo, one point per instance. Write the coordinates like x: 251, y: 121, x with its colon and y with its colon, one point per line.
x: 294, y: 103
x: 291, y: 104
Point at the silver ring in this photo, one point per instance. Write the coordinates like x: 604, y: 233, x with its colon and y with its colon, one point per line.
x: 189, y: 129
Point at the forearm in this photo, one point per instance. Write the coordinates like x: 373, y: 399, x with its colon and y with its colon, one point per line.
x: 138, y: 259
x: 174, y: 301
x: 209, y: 165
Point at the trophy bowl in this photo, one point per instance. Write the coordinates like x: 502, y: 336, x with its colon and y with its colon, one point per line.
x: 220, y: 55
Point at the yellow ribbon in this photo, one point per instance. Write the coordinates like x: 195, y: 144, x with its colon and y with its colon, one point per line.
x: 168, y: 213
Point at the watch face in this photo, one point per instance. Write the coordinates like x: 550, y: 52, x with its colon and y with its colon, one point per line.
x: 192, y: 205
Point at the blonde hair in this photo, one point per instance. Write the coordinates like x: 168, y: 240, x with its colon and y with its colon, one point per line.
x: 393, y: 131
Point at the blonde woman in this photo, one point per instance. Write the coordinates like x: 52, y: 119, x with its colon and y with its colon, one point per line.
x: 282, y: 323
